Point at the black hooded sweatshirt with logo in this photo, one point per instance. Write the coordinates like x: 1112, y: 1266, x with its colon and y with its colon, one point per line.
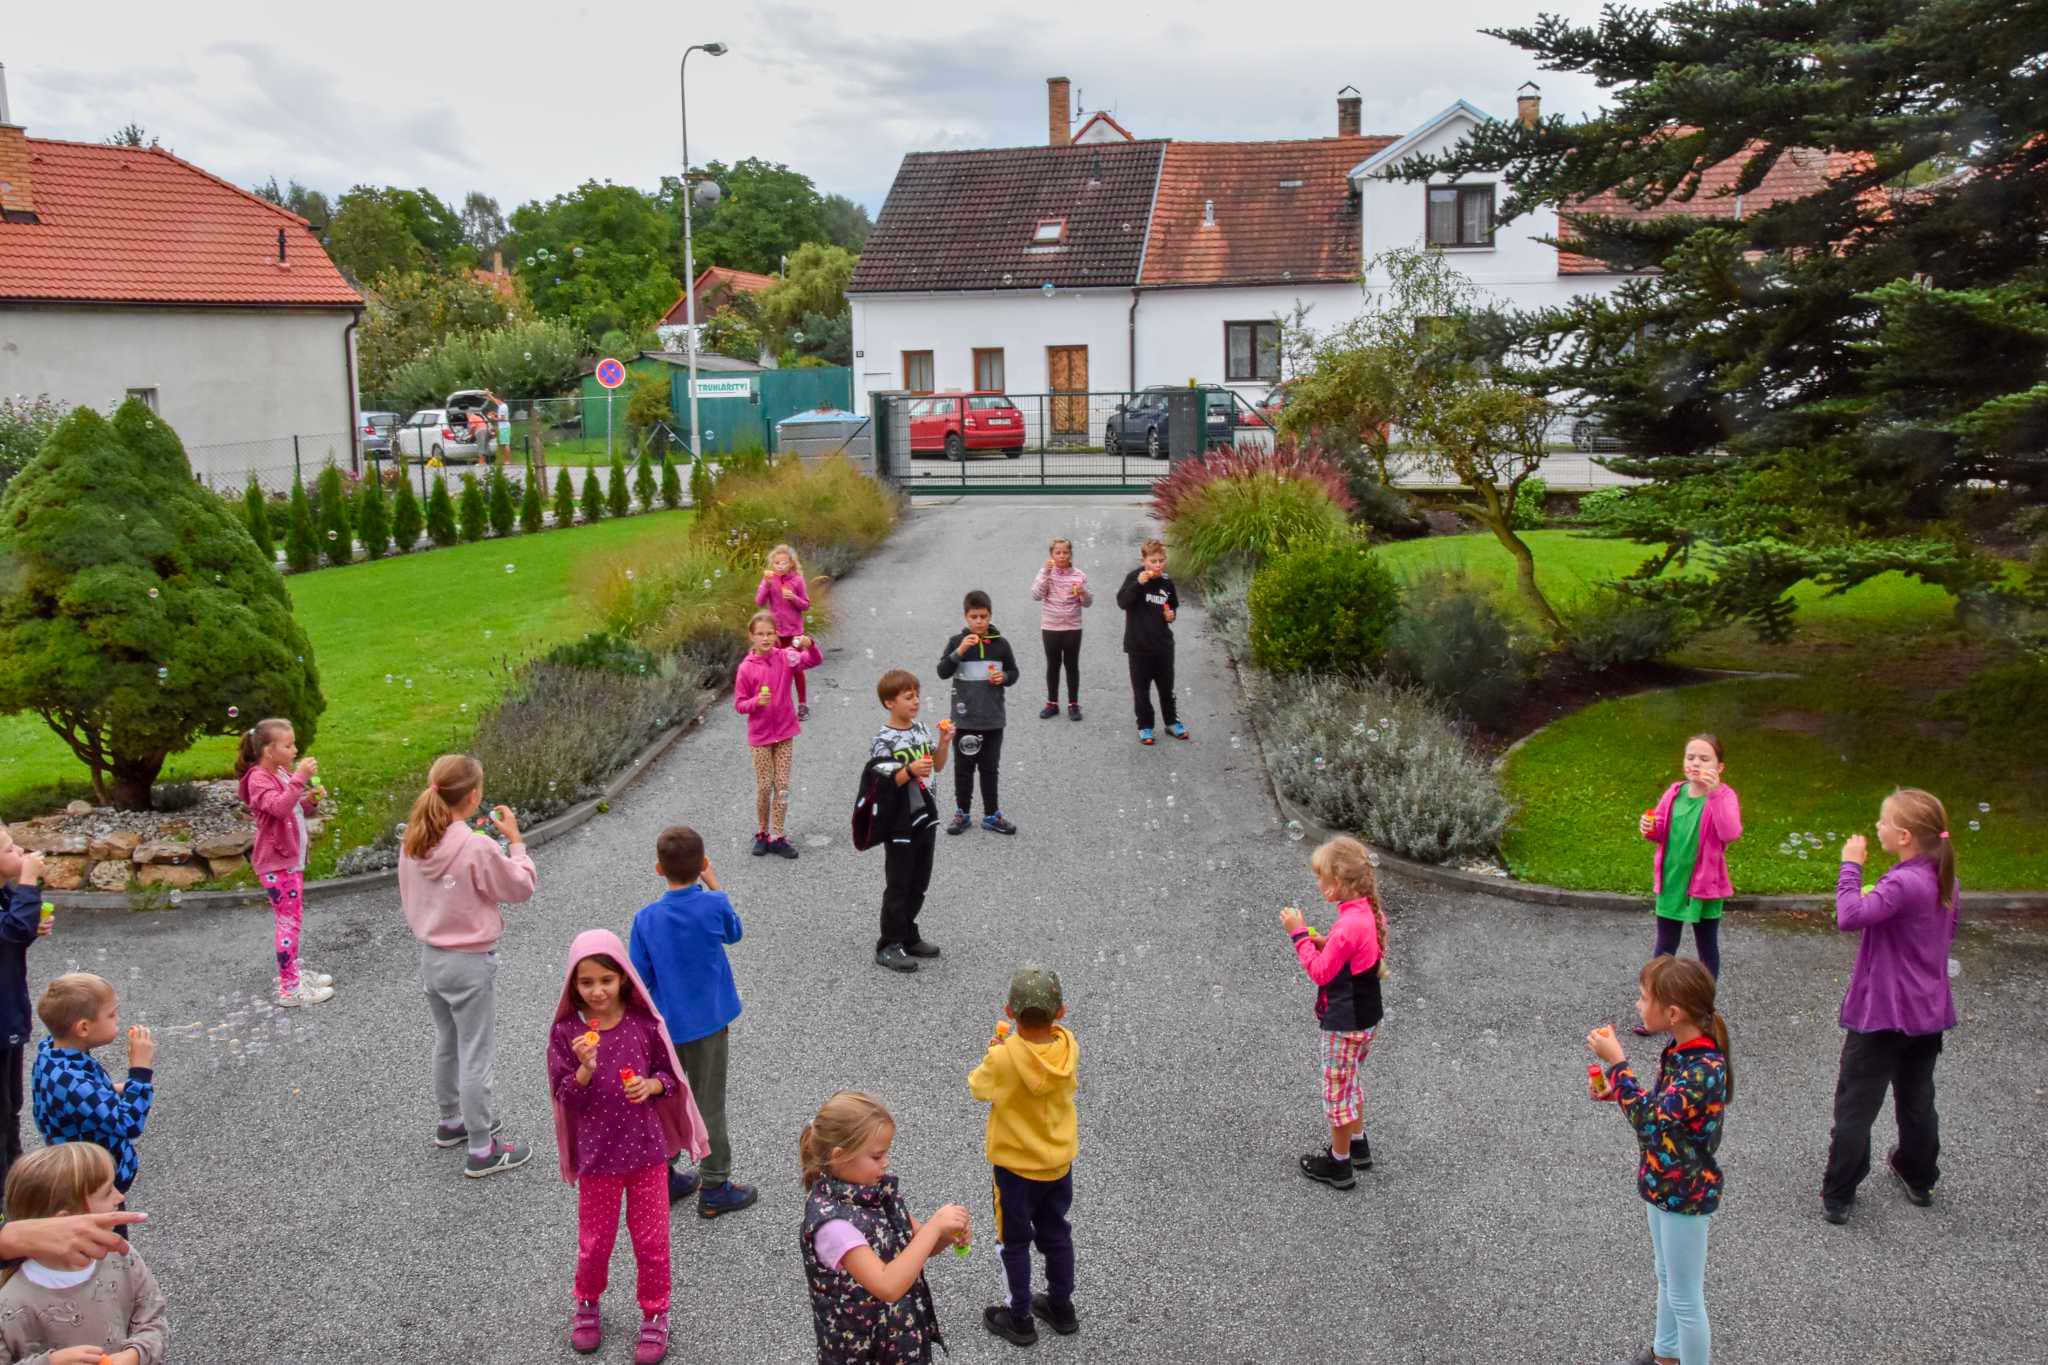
x: 1144, y: 605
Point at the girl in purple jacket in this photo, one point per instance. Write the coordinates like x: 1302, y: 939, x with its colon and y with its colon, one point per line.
x: 1692, y: 826
x: 761, y: 693
x: 1346, y: 967
x: 785, y: 595
x: 281, y: 790
x: 1899, y: 1002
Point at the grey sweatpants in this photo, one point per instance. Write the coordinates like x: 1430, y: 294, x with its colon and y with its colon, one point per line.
x: 462, y: 997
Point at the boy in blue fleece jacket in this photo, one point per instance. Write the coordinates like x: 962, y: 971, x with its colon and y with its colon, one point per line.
x: 75, y: 1100
x: 678, y: 947
x: 21, y: 924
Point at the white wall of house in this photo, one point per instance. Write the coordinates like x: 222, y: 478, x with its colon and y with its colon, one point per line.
x: 1181, y: 331
x: 235, y: 385
x: 1517, y: 271
x: 1021, y: 323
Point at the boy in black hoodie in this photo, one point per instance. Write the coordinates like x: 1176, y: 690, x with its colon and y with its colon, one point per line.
x: 21, y: 924
x: 981, y: 664
x: 1149, y: 601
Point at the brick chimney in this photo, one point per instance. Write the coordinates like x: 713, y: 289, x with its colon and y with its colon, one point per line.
x: 1059, y: 114
x: 1348, y: 123
x: 1529, y: 104
x: 17, y: 195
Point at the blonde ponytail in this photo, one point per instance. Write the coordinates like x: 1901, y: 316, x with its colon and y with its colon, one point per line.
x: 1348, y: 863
x: 449, y: 783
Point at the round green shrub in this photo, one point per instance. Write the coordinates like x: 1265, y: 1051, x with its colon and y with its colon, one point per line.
x: 1453, y: 639
x: 1322, y: 608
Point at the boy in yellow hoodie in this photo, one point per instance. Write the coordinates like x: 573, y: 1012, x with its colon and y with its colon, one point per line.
x: 1027, y: 1078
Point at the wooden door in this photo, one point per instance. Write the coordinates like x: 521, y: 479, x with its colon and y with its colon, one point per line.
x: 1066, y: 370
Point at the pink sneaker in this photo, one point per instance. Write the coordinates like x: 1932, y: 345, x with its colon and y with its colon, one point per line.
x: 653, y: 1345
x: 586, y: 1329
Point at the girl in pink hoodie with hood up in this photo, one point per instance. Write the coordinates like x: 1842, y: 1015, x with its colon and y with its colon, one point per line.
x: 623, y: 1111
x: 280, y: 790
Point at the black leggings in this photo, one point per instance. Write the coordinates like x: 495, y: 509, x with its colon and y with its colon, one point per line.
x: 1706, y: 941
x: 965, y: 765
x: 1062, y: 646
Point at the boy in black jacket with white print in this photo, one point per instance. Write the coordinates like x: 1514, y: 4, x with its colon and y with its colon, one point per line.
x: 1149, y: 601
x: 908, y: 825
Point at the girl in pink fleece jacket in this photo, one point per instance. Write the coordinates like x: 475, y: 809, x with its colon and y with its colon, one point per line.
x: 281, y: 795
x: 452, y: 881
x: 1064, y: 590
x: 1346, y: 967
x: 1692, y: 825
x: 761, y: 693
x: 784, y: 594
x: 623, y: 1111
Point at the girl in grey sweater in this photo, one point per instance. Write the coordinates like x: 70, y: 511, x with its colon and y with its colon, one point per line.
x: 109, y: 1313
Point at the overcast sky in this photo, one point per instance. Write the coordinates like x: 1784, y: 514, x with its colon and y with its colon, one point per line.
x: 540, y: 97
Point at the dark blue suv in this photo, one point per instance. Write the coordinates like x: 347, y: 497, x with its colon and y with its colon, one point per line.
x: 1140, y: 421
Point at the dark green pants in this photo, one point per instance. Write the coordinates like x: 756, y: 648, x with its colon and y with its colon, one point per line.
x: 704, y: 1064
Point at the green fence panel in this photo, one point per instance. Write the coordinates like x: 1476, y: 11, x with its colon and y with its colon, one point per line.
x: 747, y: 422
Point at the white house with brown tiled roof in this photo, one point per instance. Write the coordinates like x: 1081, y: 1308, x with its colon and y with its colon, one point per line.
x: 126, y: 272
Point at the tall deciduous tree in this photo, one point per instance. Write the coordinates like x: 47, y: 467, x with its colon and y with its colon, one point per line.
x: 483, y: 224
x: 814, y: 283
x: 598, y: 257
x: 766, y: 212
x: 415, y: 311
x: 137, y: 615
x: 846, y: 223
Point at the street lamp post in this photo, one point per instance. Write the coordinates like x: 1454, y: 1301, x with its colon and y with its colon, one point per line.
x: 689, y: 259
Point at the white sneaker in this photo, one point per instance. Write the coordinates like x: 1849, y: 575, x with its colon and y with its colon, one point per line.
x: 306, y: 994
x: 311, y: 978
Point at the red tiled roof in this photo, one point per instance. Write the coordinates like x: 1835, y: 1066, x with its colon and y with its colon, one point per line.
x: 138, y: 225
x: 1267, y: 229
x: 965, y: 220
x: 1798, y: 173
x: 734, y: 281
x: 1107, y: 122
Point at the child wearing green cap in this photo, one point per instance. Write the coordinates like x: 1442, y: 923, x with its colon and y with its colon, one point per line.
x: 1027, y: 1081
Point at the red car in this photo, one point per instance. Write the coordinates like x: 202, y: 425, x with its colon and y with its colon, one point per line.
x: 952, y: 424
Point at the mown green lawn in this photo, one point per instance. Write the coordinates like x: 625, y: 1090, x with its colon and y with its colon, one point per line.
x: 1813, y: 754
x: 409, y: 649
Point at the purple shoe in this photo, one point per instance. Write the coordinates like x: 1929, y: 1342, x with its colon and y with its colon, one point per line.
x: 586, y: 1329
x: 653, y: 1344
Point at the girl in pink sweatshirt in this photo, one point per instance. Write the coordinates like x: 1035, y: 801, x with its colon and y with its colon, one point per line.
x: 452, y: 881
x: 761, y: 693
x: 281, y: 790
x: 1064, y: 590
x: 784, y: 594
x: 623, y: 1111
x: 1346, y: 967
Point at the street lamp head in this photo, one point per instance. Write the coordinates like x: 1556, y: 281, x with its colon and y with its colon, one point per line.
x: 715, y: 49
x: 706, y: 194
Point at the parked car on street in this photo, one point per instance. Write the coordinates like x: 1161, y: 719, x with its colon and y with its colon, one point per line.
x: 373, y: 434
x: 1589, y: 433
x: 953, y: 424
x: 429, y: 433
x: 1140, y: 421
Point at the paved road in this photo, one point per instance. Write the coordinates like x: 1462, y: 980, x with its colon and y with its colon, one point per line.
x: 299, y: 1213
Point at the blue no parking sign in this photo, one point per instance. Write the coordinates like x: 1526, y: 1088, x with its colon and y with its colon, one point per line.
x: 610, y: 373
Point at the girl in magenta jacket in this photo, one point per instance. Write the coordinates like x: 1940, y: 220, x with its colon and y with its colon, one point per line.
x: 784, y: 594
x: 1346, y: 967
x: 280, y: 790
x: 1692, y: 826
x: 761, y: 693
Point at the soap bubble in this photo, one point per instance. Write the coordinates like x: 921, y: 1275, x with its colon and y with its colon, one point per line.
x: 388, y: 679
x: 302, y: 658
x: 717, y: 573
x: 177, y: 897
x: 1320, y: 765
x: 1984, y: 807
x: 400, y: 829
x: 234, y: 711
x: 969, y: 745
x: 163, y: 672
x: 1295, y: 831
x: 333, y: 535
x: 448, y: 882
x: 487, y: 635
x: 707, y: 585
x: 959, y: 708
x: 462, y: 706
x: 629, y: 575
x: 1975, y: 826
x: 408, y: 682
x: 511, y: 568
x: 1955, y: 969
x: 152, y: 594
x: 551, y: 785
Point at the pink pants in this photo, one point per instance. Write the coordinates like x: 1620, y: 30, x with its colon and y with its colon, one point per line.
x: 286, y: 891
x: 597, y: 1227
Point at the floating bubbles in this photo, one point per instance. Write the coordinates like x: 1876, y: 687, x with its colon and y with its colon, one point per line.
x: 869, y: 652
x: 529, y: 355
x: 388, y: 679
x: 718, y: 573
x: 969, y: 745
x: 334, y: 535
x: 511, y: 568
x: 487, y: 634
x: 462, y: 706
x: 1319, y: 763
x: 1236, y: 743
x: 448, y: 882
x: 551, y: 785
x: 1373, y: 736
x: 399, y: 829
x: 234, y: 711
x: 1975, y: 826
x: 177, y: 897
x: 1295, y: 831
x: 959, y: 708
x: 707, y: 585
x: 408, y: 682
x: 1955, y: 969
x: 162, y: 672
x: 629, y: 575
x: 1984, y: 808
x: 302, y: 658
x: 152, y: 594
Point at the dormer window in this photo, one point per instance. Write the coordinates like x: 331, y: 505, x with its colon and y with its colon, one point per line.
x: 1460, y: 215
x: 1049, y: 232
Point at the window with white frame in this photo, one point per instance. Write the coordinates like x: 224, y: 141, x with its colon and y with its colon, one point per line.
x: 1251, y: 351
x: 148, y: 397
x: 1460, y: 215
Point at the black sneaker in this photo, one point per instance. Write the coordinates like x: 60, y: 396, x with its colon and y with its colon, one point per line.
x: 998, y: 823
x: 960, y: 822
x: 1058, y: 1316
x: 1049, y: 710
x: 996, y: 1317
x: 1361, y: 1154
x: 1327, y: 1169
x: 1834, y: 1212
x: 782, y: 848
x: 1073, y: 710
x: 919, y: 948
x: 895, y: 958
x: 761, y: 844
x: 1917, y: 1195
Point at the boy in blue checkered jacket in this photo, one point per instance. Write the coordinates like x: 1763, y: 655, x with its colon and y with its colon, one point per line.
x: 74, y: 1099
